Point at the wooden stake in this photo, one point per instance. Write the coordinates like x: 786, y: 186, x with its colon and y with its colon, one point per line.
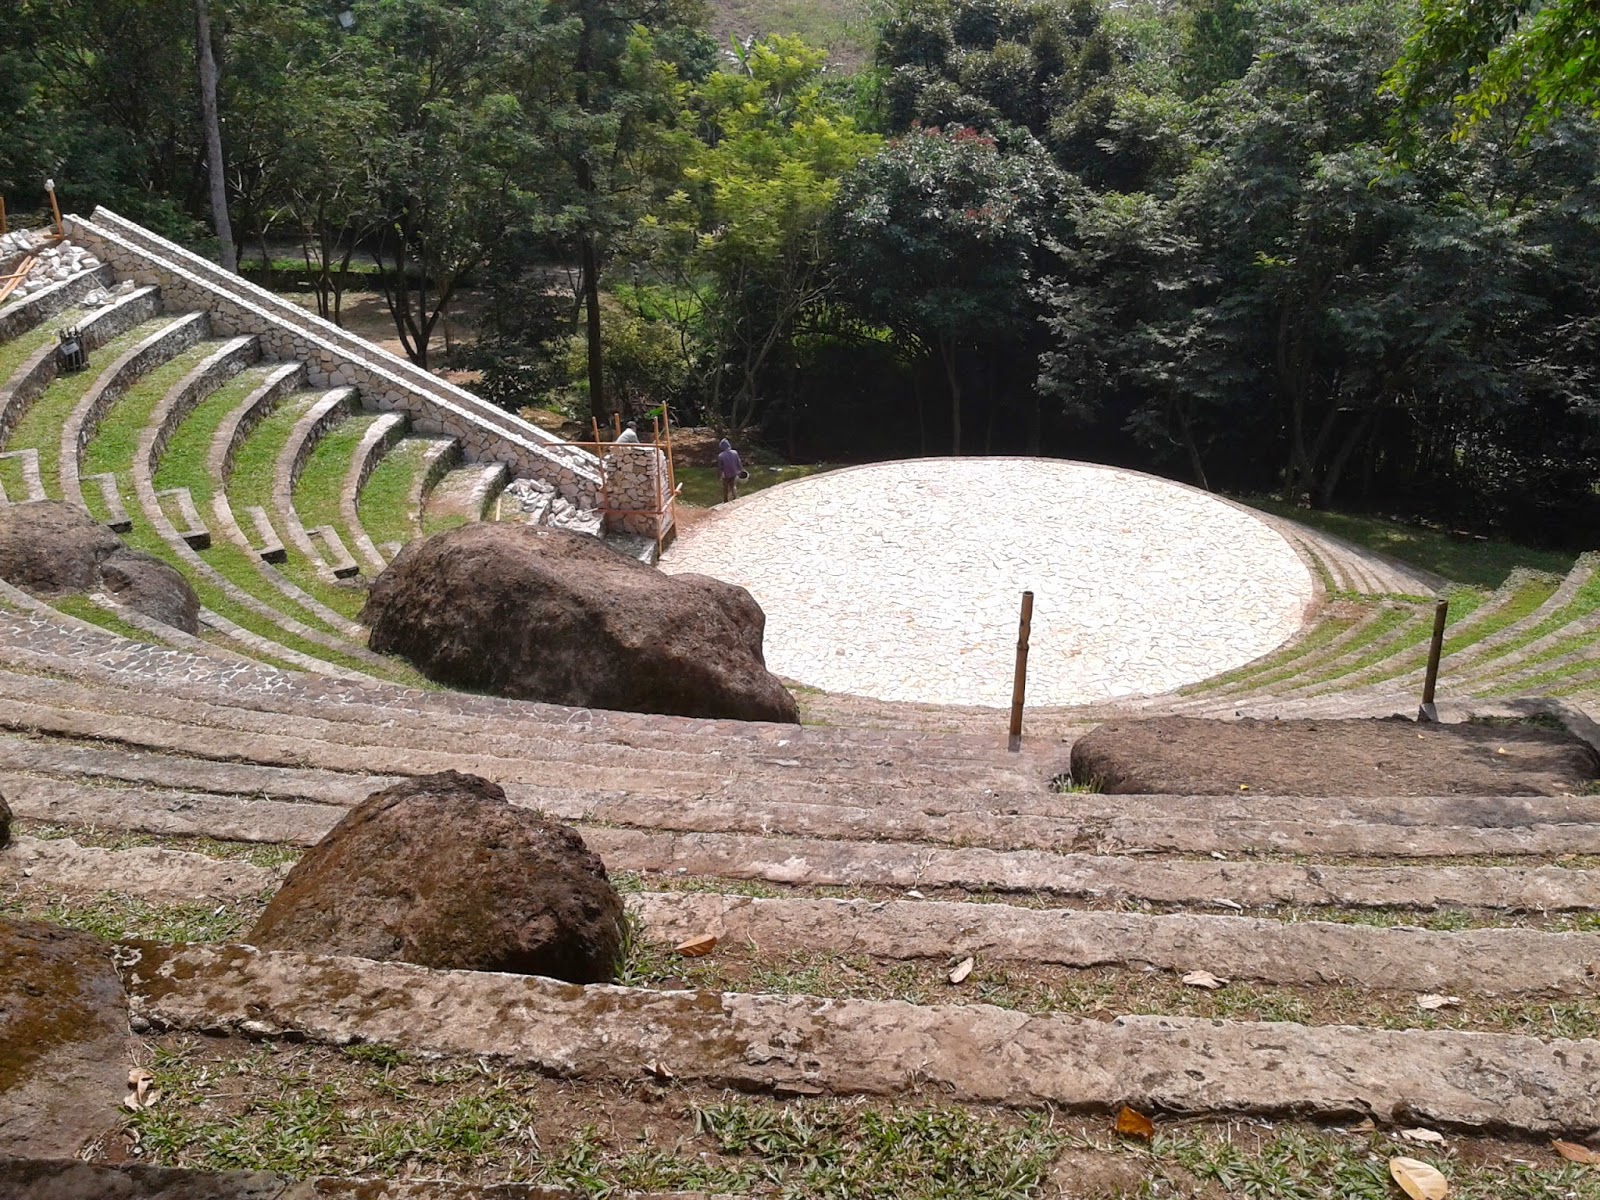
x: 1435, y: 649
x: 50, y: 189
x: 1019, y: 679
x: 2, y: 216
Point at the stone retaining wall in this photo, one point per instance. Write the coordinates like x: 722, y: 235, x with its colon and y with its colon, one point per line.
x: 636, y: 484
x: 22, y: 315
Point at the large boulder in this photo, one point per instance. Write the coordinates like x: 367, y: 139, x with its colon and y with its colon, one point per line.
x: 65, y: 1045
x: 542, y: 614
x: 444, y: 872
x: 50, y: 548
x: 146, y: 584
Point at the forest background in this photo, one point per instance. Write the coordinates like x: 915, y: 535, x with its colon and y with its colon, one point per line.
x: 1225, y: 240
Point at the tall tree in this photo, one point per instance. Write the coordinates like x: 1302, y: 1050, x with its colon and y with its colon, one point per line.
x: 941, y: 238
x: 216, y: 170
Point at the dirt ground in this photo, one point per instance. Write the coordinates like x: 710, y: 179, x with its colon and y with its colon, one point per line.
x: 1391, y: 756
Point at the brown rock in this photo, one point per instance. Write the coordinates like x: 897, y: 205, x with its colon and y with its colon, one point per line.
x: 443, y: 871
x: 541, y: 614
x: 1393, y: 756
x: 148, y: 585
x: 64, y: 1041
x: 5, y: 823
x: 52, y: 547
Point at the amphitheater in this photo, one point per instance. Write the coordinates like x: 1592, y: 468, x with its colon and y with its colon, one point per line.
x: 1399, y: 975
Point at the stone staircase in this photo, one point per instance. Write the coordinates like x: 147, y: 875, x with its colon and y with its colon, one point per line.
x: 844, y: 871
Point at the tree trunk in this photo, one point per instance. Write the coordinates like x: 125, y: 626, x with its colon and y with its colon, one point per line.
x: 947, y: 352
x: 598, y: 406
x: 208, y: 114
x: 1195, y: 463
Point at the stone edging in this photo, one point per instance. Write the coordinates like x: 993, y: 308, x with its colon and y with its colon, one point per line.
x: 379, y: 439
x: 34, y: 310
x: 809, y: 1045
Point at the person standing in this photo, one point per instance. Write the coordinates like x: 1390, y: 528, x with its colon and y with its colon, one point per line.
x: 729, y: 468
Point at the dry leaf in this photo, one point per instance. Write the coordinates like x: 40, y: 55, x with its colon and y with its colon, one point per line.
x: 1233, y: 904
x: 1421, y: 1135
x: 139, y: 1093
x: 1432, y: 1002
x: 963, y: 969
x: 1573, y: 1152
x: 697, y: 947
x: 1419, y: 1180
x: 1365, y: 1126
x: 1135, y: 1124
x: 1204, y: 979
x: 131, y: 1102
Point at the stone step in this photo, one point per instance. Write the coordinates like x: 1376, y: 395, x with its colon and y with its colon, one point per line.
x: 268, y: 545
x: 117, y: 519
x: 1474, y: 962
x: 441, y: 457
x: 841, y: 861
x: 33, y: 482
x: 249, y: 817
x: 385, y: 432
x: 806, y: 1045
x: 466, y: 493
x: 193, y: 530
x: 334, y: 558
x: 328, y: 411
x: 20, y: 315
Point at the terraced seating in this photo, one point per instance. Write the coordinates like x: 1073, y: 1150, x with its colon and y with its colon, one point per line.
x: 844, y: 871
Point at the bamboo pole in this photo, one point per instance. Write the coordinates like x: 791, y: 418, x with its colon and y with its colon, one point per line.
x: 1019, y: 678
x: 2, y: 216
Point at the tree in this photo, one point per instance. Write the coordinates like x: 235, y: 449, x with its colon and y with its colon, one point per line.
x: 743, y: 246
x: 940, y: 239
x: 215, y: 168
x: 1541, y: 57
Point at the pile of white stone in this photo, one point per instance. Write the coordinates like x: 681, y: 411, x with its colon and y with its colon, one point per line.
x: 539, y: 503
x: 52, y: 263
x: 531, y: 496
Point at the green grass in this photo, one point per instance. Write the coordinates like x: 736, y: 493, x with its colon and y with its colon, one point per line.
x: 86, y: 609
x: 114, y: 444
x: 1484, y: 564
x: 1309, y: 657
x: 257, y: 854
x: 1396, y: 661
x: 372, y: 1110
x: 40, y: 427
x: 702, y: 486
x: 115, y: 918
x: 432, y: 525
x: 383, y: 502
x: 183, y: 462
x: 321, y: 482
x: 12, y: 479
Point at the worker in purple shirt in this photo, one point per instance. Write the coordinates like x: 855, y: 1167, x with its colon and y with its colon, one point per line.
x: 729, y: 467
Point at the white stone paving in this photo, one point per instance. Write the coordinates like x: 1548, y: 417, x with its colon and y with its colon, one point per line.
x: 902, y: 580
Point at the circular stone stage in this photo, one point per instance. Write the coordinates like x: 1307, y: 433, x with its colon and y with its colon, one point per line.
x: 902, y: 581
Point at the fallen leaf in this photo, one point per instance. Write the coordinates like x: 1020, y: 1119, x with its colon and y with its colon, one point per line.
x: 1421, y: 1135
x: 697, y: 947
x: 1573, y: 1152
x: 963, y: 969
x: 1501, y: 750
x: 131, y: 1102
x: 1204, y: 979
x: 1433, y: 1002
x: 914, y: 894
x: 150, y: 1098
x: 1233, y: 904
x: 1135, y: 1124
x: 1365, y: 1126
x: 139, y: 1093
x: 1419, y: 1180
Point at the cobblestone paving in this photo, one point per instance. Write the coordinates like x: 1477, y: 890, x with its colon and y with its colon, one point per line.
x: 902, y: 581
